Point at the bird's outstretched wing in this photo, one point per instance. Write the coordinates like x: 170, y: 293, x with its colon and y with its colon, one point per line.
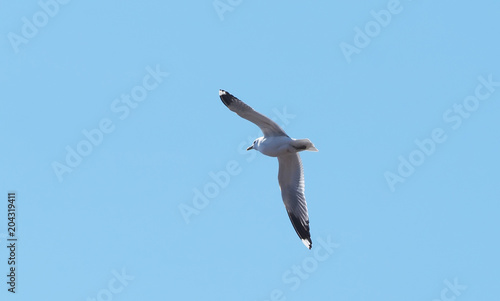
x: 268, y: 127
x: 291, y: 179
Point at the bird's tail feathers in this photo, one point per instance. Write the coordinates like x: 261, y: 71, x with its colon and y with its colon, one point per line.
x: 304, y: 144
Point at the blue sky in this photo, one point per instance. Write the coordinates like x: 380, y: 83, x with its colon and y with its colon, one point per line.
x: 112, y: 130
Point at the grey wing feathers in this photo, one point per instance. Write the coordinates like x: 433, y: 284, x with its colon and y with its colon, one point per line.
x: 291, y: 180
x: 268, y: 127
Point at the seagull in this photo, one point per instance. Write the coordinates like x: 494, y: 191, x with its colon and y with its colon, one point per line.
x: 276, y: 143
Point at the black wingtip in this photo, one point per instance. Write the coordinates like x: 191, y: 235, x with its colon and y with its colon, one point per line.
x: 226, y: 97
x: 302, y: 230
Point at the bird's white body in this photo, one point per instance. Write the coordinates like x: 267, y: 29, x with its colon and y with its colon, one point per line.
x: 273, y: 146
x: 276, y: 146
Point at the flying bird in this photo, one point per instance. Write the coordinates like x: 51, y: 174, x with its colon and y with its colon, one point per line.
x: 276, y: 143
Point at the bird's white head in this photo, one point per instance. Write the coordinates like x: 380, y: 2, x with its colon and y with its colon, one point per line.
x: 255, y: 144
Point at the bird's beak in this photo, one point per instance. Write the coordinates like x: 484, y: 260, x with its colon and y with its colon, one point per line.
x: 250, y: 147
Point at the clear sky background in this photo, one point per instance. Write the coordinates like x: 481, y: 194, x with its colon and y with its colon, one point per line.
x: 401, y: 99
